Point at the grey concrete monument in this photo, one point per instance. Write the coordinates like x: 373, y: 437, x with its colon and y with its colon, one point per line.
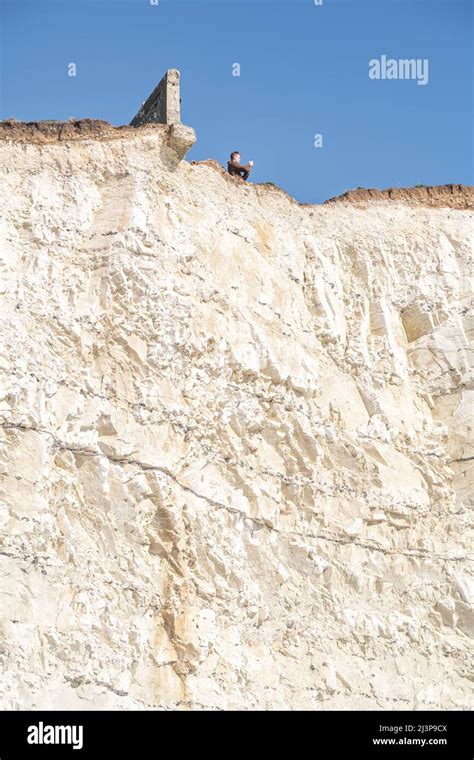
x: 163, y: 105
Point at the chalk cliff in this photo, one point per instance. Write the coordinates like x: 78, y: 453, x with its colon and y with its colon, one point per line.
x: 236, y: 435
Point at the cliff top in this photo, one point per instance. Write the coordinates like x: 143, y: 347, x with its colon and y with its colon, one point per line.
x: 452, y: 195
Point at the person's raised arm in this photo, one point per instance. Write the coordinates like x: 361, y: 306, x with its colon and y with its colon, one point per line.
x: 239, y: 167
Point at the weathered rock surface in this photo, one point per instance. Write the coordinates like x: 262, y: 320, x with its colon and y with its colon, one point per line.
x: 236, y: 438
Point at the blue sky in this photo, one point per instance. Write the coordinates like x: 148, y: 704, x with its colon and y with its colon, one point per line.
x: 303, y: 71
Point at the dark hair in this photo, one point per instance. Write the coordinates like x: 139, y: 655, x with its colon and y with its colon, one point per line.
x: 235, y: 153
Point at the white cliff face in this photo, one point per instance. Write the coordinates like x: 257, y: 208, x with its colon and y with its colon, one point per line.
x: 235, y: 440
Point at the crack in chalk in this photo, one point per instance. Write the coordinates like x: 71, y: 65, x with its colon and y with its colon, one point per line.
x: 258, y: 521
x: 398, y: 444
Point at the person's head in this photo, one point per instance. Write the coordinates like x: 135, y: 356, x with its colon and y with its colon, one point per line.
x: 235, y: 156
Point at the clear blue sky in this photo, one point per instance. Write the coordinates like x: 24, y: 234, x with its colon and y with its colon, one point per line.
x: 304, y: 70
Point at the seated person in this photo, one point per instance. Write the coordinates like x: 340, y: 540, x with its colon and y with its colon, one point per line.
x: 235, y: 169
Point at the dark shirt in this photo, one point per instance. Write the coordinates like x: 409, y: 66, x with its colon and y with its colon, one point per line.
x: 236, y: 169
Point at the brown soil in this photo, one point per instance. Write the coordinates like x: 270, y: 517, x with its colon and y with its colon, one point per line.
x: 439, y: 196
x: 60, y: 131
